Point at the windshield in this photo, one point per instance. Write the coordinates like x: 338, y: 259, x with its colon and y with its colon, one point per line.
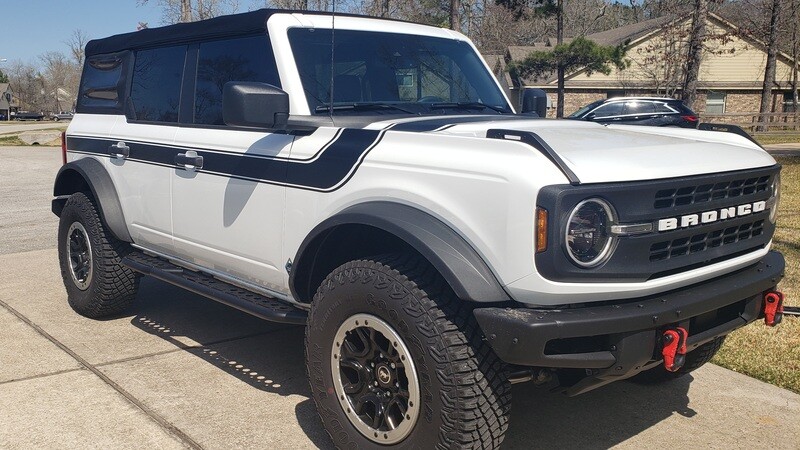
x: 402, y: 73
x: 585, y: 109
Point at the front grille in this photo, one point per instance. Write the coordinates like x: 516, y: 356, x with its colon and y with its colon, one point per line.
x: 658, y: 254
x: 702, y: 241
x: 689, y: 195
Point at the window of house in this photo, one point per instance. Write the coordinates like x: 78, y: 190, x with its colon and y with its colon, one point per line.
x: 715, y: 103
x: 615, y: 93
x: 241, y: 59
x: 156, y: 84
x: 788, y: 103
x: 609, y: 109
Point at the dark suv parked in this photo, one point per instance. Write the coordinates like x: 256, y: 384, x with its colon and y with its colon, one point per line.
x: 652, y: 111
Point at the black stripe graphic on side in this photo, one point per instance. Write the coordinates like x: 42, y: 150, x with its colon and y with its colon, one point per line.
x: 333, y: 166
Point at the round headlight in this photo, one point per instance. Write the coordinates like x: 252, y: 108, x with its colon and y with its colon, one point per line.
x: 776, y: 195
x: 588, y: 240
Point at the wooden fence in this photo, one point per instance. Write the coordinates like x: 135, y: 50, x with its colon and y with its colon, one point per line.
x: 755, y: 123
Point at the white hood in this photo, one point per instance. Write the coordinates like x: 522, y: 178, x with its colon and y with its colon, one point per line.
x: 598, y: 153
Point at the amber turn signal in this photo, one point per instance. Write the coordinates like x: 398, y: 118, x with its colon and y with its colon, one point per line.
x: 541, y: 230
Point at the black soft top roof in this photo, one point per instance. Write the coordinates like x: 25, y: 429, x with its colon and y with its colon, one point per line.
x: 231, y: 25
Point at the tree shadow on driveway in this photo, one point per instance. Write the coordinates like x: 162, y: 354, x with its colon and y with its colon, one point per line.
x: 269, y: 357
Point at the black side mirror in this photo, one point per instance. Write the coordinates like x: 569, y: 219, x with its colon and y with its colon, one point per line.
x: 254, y: 105
x: 534, y: 101
x: 589, y: 116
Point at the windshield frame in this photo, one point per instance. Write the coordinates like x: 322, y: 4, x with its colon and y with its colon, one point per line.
x: 311, y: 106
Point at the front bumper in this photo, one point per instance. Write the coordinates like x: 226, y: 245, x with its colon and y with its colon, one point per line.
x: 618, y: 340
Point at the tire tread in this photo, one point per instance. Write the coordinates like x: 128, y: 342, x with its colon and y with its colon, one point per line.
x: 476, y: 394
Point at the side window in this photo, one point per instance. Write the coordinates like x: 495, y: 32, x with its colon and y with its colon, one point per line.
x: 156, y: 84
x: 638, y: 108
x: 663, y: 108
x: 102, y: 84
x: 608, y: 110
x: 241, y: 59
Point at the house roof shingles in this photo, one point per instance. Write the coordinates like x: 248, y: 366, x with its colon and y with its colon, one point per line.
x: 617, y: 36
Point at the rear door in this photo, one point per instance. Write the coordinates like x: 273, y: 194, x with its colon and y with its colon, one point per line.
x: 228, y: 214
x: 145, y: 136
x: 638, y: 112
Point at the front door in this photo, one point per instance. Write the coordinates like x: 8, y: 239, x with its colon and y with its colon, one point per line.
x: 225, y: 216
x: 227, y: 193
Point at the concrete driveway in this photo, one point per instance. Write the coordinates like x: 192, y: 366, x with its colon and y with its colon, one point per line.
x: 180, y: 371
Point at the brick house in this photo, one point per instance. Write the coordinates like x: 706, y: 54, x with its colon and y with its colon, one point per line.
x: 731, y: 70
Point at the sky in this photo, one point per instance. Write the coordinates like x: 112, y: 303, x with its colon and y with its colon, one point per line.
x: 29, y: 28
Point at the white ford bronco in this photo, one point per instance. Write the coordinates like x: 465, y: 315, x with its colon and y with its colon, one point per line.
x: 370, y: 180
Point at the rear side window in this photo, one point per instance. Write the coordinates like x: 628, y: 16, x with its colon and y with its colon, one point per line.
x: 683, y: 109
x: 103, y: 83
x: 156, y: 84
x: 242, y: 59
x: 664, y: 108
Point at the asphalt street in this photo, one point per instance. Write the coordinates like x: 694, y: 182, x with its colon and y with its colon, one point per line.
x: 180, y: 371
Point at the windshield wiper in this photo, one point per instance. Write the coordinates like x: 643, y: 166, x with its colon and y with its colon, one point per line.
x: 467, y: 105
x: 360, y: 107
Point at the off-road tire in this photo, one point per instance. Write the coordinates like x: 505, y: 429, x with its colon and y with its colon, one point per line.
x: 464, y: 387
x: 694, y: 360
x: 113, y: 286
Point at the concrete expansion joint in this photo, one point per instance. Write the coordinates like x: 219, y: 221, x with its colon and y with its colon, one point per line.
x: 154, y: 416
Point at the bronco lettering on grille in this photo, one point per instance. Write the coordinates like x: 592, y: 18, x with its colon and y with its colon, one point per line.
x: 673, y: 223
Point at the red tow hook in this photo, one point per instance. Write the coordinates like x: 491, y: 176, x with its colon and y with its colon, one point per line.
x: 674, y: 350
x: 773, y: 308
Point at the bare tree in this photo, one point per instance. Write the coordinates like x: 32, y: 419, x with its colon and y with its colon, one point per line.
x: 176, y: 11
x: 795, y: 39
x: 769, y: 70
x: 77, y: 45
x: 694, y: 57
x: 455, y: 16
x: 57, y: 75
x: 560, y: 71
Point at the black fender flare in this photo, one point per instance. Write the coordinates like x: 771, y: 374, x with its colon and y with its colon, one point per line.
x: 456, y: 260
x: 102, y: 188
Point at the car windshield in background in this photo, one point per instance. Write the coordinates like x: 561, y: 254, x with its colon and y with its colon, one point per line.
x: 585, y: 109
x: 395, y: 73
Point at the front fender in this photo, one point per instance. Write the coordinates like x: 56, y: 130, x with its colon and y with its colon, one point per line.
x: 459, y: 264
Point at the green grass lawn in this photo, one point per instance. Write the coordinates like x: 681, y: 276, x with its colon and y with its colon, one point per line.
x: 768, y: 139
x: 773, y: 354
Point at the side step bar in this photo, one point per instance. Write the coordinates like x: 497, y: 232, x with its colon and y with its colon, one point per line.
x: 256, y: 304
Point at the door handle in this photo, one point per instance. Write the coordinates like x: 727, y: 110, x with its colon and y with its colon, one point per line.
x: 189, y: 160
x: 119, y: 150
